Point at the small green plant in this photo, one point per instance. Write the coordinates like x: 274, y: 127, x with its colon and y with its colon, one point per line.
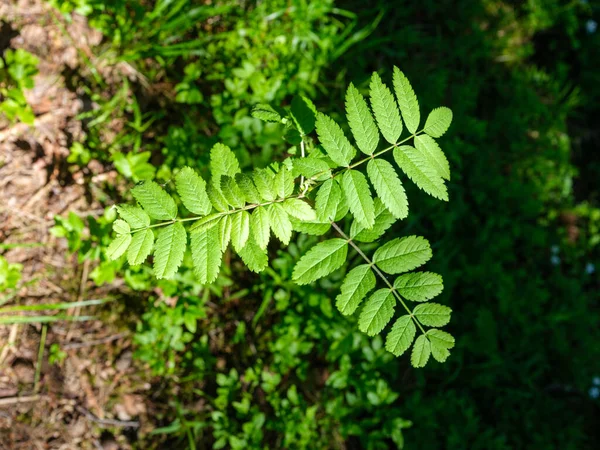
x: 310, y: 194
x: 10, y: 274
x: 17, y: 69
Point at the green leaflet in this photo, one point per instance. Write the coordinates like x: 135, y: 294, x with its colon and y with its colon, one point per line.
x: 225, y: 226
x: 155, y: 201
x: 383, y: 220
x: 240, y: 229
x: 222, y: 162
x: 385, y: 110
x: 328, y: 199
x: 118, y: 246
x: 358, y: 196
x: 333, y: 140
x: 135, y: 216
x: 303, y: 114
x: 299, y: 209
x: 377, y: 312
x: 421, y: 351
x: 205, y: 223
x: 280, y: 223
x: 419, y: 286
x: 192, y: 190
x: 402, y: 254
x: 231, y: 192
x: 206, y: 255
x: 361, y: 122
x: 312, y: 167
x: 320, y: 261
x: 314, y: 228
x: 388, y: 187
x: 441, y: 342
x: 260, y: 227
x: 140, y: 248
x: 121, y: 227
x: 266, y: 113
x: 283, y: 183
x: 169, y: 250
x: 409, y: 105
x: 357, y: 284
x: 414, y: 164
x: 432, y: 314
x: 438, y: 121
x: 434, y: 155
x: 263, y: 179
x: 216, y: 198
x: 440, y: 345
x: 401, y: 336
x: 248, y: 188
x: 254, y: 257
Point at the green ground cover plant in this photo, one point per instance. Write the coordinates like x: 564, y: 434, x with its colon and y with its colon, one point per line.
x: 286, y: 272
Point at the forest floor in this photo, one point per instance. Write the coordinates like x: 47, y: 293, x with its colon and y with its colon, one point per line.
x: 93, y: 395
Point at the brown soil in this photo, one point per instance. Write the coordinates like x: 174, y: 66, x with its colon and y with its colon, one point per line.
x: 95, y: 397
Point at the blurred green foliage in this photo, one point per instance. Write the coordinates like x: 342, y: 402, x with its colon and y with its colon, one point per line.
x: 17, y: 69
x: 258, y: 362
